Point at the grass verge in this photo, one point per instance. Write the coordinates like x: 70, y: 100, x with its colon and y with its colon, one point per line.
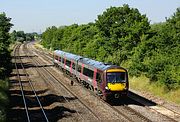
x: 143, y: 84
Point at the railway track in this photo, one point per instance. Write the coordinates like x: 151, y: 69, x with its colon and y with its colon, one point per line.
x: 28, y: 114
x: 129, y: 113
x: 43, y: 72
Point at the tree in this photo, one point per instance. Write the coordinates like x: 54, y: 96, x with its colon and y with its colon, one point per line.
x: 124, y: 27
x: 159, y: 56
x: 13, y: 36
x: 5, y: 26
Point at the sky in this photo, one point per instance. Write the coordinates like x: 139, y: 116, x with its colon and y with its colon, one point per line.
x: 37, y: 15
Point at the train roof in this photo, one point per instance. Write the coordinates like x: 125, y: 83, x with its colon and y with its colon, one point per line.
x: 90, y: 62
x: 97, y: 64
x: 68, y: 55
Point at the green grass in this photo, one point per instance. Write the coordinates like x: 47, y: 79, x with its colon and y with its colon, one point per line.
x: 143, y: 84
x: 4, y: 86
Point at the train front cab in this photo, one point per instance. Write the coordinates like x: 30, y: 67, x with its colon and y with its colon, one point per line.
x: 117, y: 84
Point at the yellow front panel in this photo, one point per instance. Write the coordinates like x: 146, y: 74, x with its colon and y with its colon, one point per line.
x: 116, y: 86
x: 116, y: 70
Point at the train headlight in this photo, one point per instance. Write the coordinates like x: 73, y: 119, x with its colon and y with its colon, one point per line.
x: 106, y: 88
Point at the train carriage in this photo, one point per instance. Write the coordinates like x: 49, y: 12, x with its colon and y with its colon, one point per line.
x: 106, y: 80
x: 68, y: 62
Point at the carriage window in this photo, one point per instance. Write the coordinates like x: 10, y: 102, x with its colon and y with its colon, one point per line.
x: 68, y: 63
x: 73, y: 65
x: 79, y: 68
x: 98, y: 78
x: 59, y: 58
x: 63, y: 60
x: 88, y: 72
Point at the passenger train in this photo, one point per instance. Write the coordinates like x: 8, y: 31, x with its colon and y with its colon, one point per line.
x: 108, y: 81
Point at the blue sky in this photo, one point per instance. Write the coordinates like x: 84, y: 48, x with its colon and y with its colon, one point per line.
x: 37, y: 15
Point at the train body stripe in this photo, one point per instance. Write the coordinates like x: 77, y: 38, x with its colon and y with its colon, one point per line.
x: 64, y: 62
x: 94, y: 79
x: 82, y: 68
x: 71, y: 66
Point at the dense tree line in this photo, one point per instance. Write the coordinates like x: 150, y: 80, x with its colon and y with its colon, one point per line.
x: 159, y: 56
x: 122, y: 36
x: 21, y: 36
x: 5, y: 26
x: 5, y: 65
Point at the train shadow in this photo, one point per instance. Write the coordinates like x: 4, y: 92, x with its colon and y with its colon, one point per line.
x: 123, y: 101
x: 129, y: 100
x: 17, y: 113
x: 139, y: 98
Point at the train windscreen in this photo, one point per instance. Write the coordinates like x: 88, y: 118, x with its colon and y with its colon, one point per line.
x: 116, y: 77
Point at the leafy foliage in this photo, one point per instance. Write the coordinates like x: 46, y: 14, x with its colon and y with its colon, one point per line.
x: 5, y: 64
x: 5, y: 26
x: 159, y: 56
x: 21, y: 36
x: 124, y: 28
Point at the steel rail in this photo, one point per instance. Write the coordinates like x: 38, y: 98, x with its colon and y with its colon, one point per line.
x: 16, y: 50
x: 34, y: 91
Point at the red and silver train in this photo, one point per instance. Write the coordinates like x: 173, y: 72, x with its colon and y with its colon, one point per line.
x: 108, y: 81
